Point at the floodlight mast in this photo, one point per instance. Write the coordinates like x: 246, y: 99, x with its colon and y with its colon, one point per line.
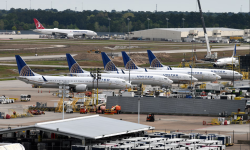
x: 208, y: 56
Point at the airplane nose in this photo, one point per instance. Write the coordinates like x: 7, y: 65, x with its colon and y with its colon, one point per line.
x: 95, y: 33
x: 170, y: 81
x: 195, y: 79
x: 218, y: 77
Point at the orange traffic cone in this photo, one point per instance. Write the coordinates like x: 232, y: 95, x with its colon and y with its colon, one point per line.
x: 41, y: 91
x: 38, y: 91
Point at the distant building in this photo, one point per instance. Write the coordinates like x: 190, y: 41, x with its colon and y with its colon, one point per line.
x: 182, y: 34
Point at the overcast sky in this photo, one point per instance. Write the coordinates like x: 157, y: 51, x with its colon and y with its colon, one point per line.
x: 135, y: 5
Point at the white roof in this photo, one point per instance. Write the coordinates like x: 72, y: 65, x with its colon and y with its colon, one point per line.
x: 93, y: 127
x: 198, y: 29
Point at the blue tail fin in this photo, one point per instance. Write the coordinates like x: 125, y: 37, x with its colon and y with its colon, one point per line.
x: 154, y: 62
x: 23, y: 69
x: 74, y: 67
x: 128, y: 63
x: 107, y: 63
x: 234, y: 53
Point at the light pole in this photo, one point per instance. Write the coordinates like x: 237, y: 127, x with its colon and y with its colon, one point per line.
x: 129, y: 49
x: 148, y: 22
x: 167, y: 22
x: 183, y: 19
x: 193, y: 35
x: 109, y: 26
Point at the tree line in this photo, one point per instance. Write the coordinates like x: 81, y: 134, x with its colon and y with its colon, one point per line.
x: 22, y: 19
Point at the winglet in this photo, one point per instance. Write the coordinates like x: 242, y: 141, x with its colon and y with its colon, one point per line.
x: 146, y: 70
x: 44, y: 79
x: 128, y: 63
x: 74, y: 67
x: 38, y: 24
x: 123, y: 72
x: 23, y: 69
x: 170, y: 68
x: 154, y: 62
x: 190, y: 66
x: 107, y: 63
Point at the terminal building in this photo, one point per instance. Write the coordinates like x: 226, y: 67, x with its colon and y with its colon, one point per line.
x: 185, y: 34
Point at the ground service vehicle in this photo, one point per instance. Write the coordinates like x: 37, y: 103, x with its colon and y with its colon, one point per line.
x: 25, y: 97
x: 150, y: 117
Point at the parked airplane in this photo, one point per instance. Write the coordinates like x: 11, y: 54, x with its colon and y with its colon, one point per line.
x: 228, y: 60
x: 76, y: 84
x: 225, y: 74
x: 200, y: 75
x: 154, y: 80
x: 69, y: 33
x: 110, y: 67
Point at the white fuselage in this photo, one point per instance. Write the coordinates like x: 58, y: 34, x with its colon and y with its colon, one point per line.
x: 154, y: 80
x: 175, y: 77
x: 200, y: 75
x: 226, y: 61
x: 225, y: 74
x: 66, y: 32
x: 54, y: 81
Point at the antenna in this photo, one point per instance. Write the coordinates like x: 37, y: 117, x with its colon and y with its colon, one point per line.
x: 30, y: 4
x: 82, y: 6
x: 75, y: 9
x: 6, y: 5
x: 51, y: 4
x: 241, y: 8
x: 156, y: 8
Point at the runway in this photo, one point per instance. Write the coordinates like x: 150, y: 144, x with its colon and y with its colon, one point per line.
x: 35, y: 57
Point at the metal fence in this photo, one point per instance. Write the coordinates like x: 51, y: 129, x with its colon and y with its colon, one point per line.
x: 176, y: 106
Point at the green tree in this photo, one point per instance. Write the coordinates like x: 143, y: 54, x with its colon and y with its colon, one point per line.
x: 1, y: 25
x: 14, y: 28
x: 56, y: 24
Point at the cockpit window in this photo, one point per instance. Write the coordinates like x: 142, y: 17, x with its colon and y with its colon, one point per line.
x: 165, y: 78
x: 123, y: 81
x: 214, y: 75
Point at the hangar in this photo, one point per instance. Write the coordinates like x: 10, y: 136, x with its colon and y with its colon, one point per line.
x: 183, y: 34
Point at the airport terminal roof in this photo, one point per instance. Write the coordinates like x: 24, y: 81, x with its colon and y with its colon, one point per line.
x: 91, y: 127
x: 198, y: 29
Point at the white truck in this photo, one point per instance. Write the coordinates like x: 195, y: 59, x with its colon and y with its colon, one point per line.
x: 25, y: 97
x: 6, y: 100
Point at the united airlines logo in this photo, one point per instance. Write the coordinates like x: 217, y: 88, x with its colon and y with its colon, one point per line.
x: 130, y: 65
x: 26, y: 71
x: 110, y: 66
x: 75, y: 68
x: 156, y: 63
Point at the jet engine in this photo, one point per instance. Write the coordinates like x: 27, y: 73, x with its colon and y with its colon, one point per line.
x: 80, y: 88
x: 70, y: 36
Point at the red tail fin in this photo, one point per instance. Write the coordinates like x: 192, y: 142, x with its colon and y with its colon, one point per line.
x: 38, y: 24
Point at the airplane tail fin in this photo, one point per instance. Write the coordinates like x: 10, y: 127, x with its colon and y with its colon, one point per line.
x: 38, y: 24
x: 234, y: 52
x: 107, y: 63
x: 154, y: 62
x: 74, y: 67
x: 128, y: 63
x: 23, y: 69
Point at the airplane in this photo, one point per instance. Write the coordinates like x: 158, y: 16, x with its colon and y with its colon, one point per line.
x: 154, y: 80
x: 200, y: 75
x: 76, y: 84
x: 228, y: 60
x: 69, y: 33
x: 110, y: 67
x: 225, y: 74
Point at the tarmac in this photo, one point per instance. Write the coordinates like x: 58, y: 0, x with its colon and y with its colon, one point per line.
x: 20, y: 36
x: 163, y: 123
